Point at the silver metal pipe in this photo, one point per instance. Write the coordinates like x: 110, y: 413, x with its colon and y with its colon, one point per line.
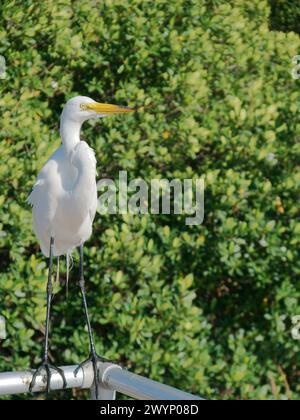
x: 112, y: 379
x: 104, y: 391
x: 141, y: 388
x: 18, y: 382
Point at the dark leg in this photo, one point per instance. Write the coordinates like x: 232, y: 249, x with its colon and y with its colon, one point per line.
x: 46, y: 366
x: 93, y: 358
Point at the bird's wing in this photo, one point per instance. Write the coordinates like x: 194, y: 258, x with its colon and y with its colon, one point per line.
x: 93, y: 209
x: 47, y: 177
x: 31, y: 198
x: 43, y: 199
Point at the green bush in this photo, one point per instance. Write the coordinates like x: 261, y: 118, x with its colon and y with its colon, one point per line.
x: 205, y: 308
x: 285, y: 15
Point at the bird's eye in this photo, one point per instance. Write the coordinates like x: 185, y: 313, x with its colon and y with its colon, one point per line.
x: 83, y: 107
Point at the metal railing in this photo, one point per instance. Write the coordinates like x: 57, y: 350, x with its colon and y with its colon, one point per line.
x: 112, y: 379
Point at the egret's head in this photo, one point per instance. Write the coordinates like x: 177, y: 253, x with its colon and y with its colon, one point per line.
x: 82, y: 108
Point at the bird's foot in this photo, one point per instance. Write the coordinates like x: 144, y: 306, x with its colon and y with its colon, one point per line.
x: 94, y: 359
x: 48, y: 369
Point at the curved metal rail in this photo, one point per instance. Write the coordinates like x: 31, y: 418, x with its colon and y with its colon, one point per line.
x: 112, y: 379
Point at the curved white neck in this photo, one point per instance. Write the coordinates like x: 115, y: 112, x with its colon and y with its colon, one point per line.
x: 70, y: 133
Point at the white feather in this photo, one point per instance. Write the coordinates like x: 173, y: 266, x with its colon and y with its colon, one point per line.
x: 64, y: 198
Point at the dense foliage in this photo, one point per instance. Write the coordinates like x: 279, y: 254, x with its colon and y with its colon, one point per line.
x: 205, y: 308
x: 285, y: 15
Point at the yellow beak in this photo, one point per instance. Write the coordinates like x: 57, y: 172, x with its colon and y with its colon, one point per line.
x: 106, y: 109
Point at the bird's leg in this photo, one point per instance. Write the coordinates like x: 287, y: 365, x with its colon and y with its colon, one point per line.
x: 93, y: 358
x: 46, y: 366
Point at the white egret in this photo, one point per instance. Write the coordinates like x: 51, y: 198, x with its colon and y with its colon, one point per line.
x: 64, y: 201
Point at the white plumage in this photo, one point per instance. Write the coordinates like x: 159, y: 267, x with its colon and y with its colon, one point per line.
x: 64, y: 198
x: 64, y: 201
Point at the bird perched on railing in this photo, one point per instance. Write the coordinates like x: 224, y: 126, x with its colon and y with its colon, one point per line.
x: 64, y: 201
